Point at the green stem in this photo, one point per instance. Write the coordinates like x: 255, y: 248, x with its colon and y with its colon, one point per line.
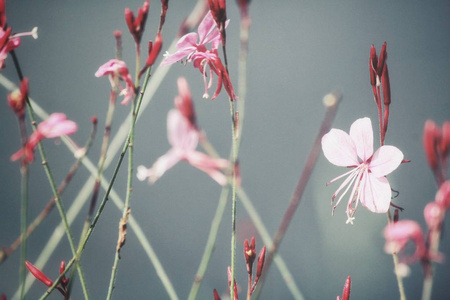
x: 209, y: 248
x: 23, y: 207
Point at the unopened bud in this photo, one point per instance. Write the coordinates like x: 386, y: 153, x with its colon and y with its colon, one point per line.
x: 373, y: 60
x: 216, y: 295
x: 346, y: 291
x: 261, y: 258
x: 433, y: 214
x: 444, y: 146
x: 386, y: 86
x: 38, y: 274
x: 382, y: 60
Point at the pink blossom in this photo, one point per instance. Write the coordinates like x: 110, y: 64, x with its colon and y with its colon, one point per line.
x: 367, y: 176
x: 184, y: 140
x: 55, y: 126
x: 192, y: 42
x: 116, y: 67
x: 193, y: 47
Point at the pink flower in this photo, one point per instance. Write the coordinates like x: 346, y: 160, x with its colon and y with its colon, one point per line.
x: 10, y: 42
x: 193, y: 42
x: 116, y: 67
x: 367, y: 176
x: 55, y: 126
x: 184, y: 140
x: 193, y: 47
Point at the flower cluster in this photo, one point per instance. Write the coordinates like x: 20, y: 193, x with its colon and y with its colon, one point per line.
x: 192, y: 46
x: 370, y: 186
x: 183, y: 136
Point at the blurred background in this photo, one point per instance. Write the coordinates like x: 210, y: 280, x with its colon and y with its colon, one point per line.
x: 298, y: 52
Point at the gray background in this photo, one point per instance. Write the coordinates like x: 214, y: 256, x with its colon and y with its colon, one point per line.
x: 299, y: 51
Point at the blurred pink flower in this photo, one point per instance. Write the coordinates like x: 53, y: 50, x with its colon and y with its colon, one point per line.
x: 367, y: 176
x: 184, y: 140
x: 116, y: 67
x: 55, y: 126
x: 183, y: 102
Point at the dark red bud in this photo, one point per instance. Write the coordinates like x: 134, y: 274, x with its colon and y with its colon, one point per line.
x: 373, y: 59
x: 346, y: 291
x: 396, y: 215
x: 261, y: 258
x: 430, y: 133
x: 382, y: 60
x: 386, y: 86
x: 38, y: 274
x: 156, y: 49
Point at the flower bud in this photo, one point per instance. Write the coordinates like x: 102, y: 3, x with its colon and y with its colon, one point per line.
x: 443, y: 195
x: 430, y: 134
x: 38, y: 274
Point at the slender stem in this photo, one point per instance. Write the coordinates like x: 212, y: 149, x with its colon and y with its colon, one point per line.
x: 331, y: 105
x: 233, y: 199
x: 209, y: 248
x: 23, y: 209
x: 52, y: 181
x: 401, y: 288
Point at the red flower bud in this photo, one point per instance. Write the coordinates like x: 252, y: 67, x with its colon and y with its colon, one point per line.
x: 38, y: 274
x: 261, y: 258
x: 373, y: 65
x: 346, y: 291
x: 382, y: 60
x: 386, y: 86
x: 136, y: 25
x: 250, y: 254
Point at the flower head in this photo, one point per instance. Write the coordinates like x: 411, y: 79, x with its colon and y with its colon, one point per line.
x: 355, y: 150
x: 184, y: 140
x: 193, y: 47
x: 113, y: 68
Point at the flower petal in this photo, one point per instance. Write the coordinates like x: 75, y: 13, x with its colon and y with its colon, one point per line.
x: 362, y: 135
x: 339, y: 149
x: 385, y: 160
x: 180, y: 133
x: 375, y: 193
x: 161, y: 165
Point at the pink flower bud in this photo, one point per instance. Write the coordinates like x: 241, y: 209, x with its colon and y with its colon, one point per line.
x: 444, y: 146
x: 38, y: 274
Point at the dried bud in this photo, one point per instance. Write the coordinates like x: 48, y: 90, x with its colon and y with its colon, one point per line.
x: 17, y: 99
x: 38, y: 274
x: 396, y: 215
x: 430, y: 135
x: 164, y: 7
